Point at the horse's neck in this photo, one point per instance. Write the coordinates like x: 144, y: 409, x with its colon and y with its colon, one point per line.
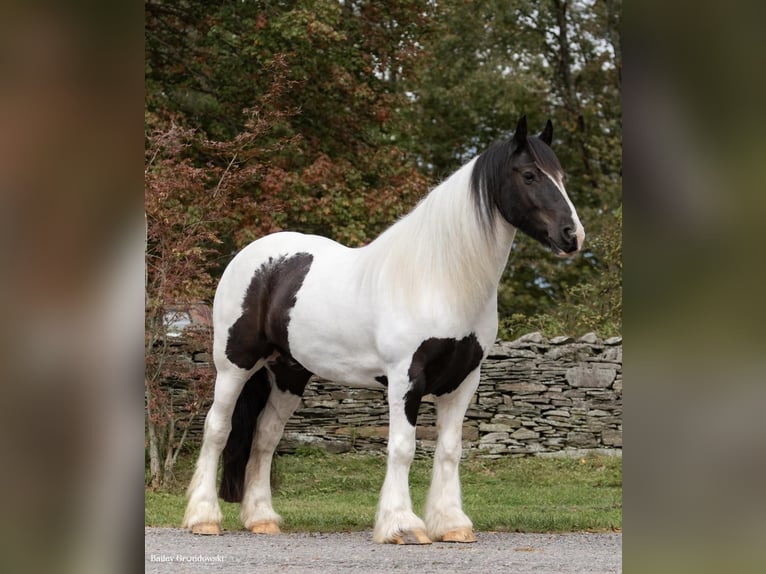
x: 442, y: 252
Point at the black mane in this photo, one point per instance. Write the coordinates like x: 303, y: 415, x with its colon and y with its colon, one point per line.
x: 487, y: 177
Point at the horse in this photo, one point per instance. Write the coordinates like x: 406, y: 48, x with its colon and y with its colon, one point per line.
x: 414, y: 311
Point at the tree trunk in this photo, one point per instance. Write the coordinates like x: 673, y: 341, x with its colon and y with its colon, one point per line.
x: 615, y: 36
x: 563, y: 67
x: 154, y: 448
x: 167, y: 469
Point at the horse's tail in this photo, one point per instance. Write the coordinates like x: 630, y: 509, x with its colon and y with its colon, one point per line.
x: 249, y: 405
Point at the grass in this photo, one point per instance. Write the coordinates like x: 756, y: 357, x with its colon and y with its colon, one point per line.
x: 315, y: 491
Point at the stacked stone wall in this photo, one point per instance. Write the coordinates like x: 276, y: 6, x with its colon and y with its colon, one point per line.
x: 554, y: 397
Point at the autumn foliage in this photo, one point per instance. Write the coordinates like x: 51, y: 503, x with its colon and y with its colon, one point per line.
x: 334, y: 118
x: 210, y: 189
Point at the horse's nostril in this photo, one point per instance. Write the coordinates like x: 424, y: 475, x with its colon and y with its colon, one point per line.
x: 568, y: 232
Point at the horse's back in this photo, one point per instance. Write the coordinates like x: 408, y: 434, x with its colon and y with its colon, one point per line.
x: 270, y: 249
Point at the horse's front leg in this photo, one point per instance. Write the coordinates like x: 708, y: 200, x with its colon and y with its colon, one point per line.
x: 395, y: 522
x: 444, y: 514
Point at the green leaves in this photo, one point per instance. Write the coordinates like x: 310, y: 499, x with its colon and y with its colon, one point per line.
x: 335, y: 118
x: 484, y: 64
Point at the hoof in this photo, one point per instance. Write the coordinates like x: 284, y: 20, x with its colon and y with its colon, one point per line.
x: 265, y: 527
x: 459, y: 535
x: 206, y: 528
x: 416, y: 536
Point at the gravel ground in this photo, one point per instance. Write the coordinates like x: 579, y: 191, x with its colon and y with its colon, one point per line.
x: 171, y: 550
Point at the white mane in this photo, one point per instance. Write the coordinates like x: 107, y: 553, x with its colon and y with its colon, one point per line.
x: 441, y: 255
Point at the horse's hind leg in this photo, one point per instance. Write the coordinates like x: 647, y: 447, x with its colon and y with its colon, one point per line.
x: 203, y: 513
x: 287, y: 384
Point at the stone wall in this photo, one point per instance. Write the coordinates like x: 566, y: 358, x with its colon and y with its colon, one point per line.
x: 536, y: 397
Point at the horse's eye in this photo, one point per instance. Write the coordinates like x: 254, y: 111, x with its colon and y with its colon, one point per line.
x: 529, y: 176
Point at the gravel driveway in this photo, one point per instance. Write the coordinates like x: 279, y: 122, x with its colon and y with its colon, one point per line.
x: 171, y: 550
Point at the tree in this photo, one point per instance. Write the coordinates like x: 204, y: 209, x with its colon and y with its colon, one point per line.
x: 485, y: 63
x: 190, y: 204
x: 176, y: 273
x: 338, y: 170
x: 260, y: 117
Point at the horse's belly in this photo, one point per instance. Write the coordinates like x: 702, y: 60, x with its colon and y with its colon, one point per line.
x: 331, y: 331
x: 336, y: 357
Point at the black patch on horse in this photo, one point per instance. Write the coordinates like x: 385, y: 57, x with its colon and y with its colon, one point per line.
x: 262, y: 327
x: 438, y: 367
x: 289, y: 375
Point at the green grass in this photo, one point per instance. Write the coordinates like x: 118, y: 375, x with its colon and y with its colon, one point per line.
x: 315, y: 491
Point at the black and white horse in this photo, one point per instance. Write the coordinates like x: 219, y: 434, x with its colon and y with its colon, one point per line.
x: 414, y: 311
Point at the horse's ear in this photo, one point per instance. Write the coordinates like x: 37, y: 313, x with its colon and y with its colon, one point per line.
x: 520, y: 135
x: 547, y: 133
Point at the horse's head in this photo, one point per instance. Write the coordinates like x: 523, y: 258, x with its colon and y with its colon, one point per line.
x: 523, y: 178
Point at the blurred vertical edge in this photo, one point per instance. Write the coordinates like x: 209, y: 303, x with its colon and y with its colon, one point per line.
x: 71, y: 258
x: 694, y: 183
